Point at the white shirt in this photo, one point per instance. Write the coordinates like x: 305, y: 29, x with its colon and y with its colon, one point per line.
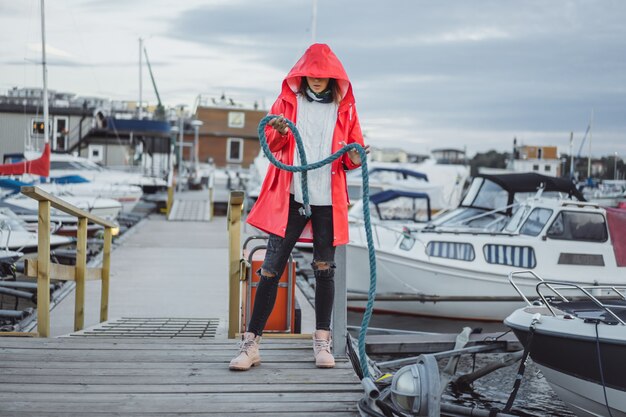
x: 316, y: 124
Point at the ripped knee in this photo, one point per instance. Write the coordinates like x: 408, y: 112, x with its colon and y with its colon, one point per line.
x: 321, y: 266
x: 263, y: 273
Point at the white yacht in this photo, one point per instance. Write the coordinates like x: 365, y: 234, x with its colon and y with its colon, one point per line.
x: 465, y: 255
x: 15, y: 237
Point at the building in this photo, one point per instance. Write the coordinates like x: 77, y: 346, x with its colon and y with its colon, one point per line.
x: 101, y: 130
x: 540, y: 159
x: 228, y: 135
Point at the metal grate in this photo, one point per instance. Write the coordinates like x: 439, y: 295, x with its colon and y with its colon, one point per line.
x: 190, y: 210
x: 154, y: 327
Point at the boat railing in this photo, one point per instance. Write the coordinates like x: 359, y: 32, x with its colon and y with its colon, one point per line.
x: 587, y: 295
x: 557, y: 287
x: 44, y: 270
x: 532, y: 275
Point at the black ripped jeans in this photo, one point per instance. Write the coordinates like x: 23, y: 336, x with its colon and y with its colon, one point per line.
x: 277, y: 255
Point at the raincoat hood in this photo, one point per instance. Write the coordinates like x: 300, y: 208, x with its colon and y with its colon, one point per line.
x: 319, y: 61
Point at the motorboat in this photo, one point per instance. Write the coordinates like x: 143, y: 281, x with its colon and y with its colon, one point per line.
x: 102, y: 207
x: 456, y: 266
x: 64, y: 165
x: 127, y: 195
x: 385, y: 176
x: 576, y: 335
x: 16, y: 238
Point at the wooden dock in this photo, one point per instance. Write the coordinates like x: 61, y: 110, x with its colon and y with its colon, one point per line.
x: 78, y: 376
x: 165, y: 350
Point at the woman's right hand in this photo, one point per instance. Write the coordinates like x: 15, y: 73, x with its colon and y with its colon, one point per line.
x: 279, y: 124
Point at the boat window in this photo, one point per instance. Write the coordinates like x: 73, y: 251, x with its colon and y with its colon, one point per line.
x: 401, y: 208
x: 518, y: 256
x: 451, y: 250
x: 491, y: 196
x: 572, y: 225
x: 407, y: 241
x: 516, y: 219
x: 61, y: 165
x: 536, y: 221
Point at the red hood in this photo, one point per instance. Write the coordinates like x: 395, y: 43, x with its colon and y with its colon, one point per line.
x: 321, y: 62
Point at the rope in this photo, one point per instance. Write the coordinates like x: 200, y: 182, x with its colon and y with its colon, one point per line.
x: 307, y: 211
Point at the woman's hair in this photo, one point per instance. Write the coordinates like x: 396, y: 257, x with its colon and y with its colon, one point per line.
x: 333, y: 85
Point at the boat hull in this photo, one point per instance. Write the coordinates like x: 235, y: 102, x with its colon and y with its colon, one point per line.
x: 566, y: 351
x: 409, y: 276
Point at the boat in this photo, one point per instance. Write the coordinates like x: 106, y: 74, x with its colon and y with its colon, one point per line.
x: 102, y: 207
x: 577, y: 337
x: 386, y: 176
x: 456, y: 266
x: 15, y: 237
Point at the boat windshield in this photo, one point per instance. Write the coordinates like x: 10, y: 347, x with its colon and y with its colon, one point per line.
x: 485, y: 194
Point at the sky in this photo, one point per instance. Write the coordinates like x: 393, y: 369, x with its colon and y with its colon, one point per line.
x: 426, y: 74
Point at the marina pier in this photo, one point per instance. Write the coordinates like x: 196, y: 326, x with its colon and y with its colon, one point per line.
x: 165, y: 348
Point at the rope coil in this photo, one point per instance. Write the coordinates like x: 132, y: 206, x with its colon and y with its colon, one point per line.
x: 303, y: 168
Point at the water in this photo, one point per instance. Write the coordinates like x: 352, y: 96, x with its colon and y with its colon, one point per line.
x: 535, y: 398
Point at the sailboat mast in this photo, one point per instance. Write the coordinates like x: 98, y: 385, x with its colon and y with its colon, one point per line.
x: 140, y: 112
x: 314, y: 22
x: 46, y: 124
x: 590, y: 136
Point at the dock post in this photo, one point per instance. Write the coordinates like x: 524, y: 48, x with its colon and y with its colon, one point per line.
x: 235, y: 207
x: 43, y: 270
x: 211, y: 186
x: 340, y: 308
x: 81, y: 268
x: 171, y: 183
x: 106, y: 272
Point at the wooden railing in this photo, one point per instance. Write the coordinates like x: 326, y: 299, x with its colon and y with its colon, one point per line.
x: 44, y: 270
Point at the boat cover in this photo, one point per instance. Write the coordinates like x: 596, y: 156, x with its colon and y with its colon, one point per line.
x: 616, y: 219
x: 69, y: 179
x: 387, y: 195
x: 530, y: 182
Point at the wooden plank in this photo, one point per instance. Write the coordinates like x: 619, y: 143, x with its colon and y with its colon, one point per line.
x: 210, y: 398
x: 71, y: 366
x: 89, y: 343
x: 147, y: 356
x: 188, y: 404
x: 159, y: 375
x: 42, y: 196
x: 432, y: 342
x: 295, y: 376
x: 178, y: 388
x: 185, y: 414
x: 62, y: 272
x: 43, y: 272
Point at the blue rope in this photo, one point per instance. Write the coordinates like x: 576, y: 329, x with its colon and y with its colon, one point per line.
x: 367, y: 315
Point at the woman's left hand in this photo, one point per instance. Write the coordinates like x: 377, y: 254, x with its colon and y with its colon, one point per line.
x: 354, y: 155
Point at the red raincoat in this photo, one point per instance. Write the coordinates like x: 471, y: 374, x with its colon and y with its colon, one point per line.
x: 271, y: 210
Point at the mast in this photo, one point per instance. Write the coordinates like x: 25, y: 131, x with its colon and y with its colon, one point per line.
x: 140, y: 111
x: 314, y: 22
x: 46, y: 124
x: 590, y: 136
x: 571, y: 155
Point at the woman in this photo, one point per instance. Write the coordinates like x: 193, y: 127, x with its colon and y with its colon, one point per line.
x: 317, y: 96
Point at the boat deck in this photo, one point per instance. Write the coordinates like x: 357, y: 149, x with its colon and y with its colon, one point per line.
x: 165, y: 349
